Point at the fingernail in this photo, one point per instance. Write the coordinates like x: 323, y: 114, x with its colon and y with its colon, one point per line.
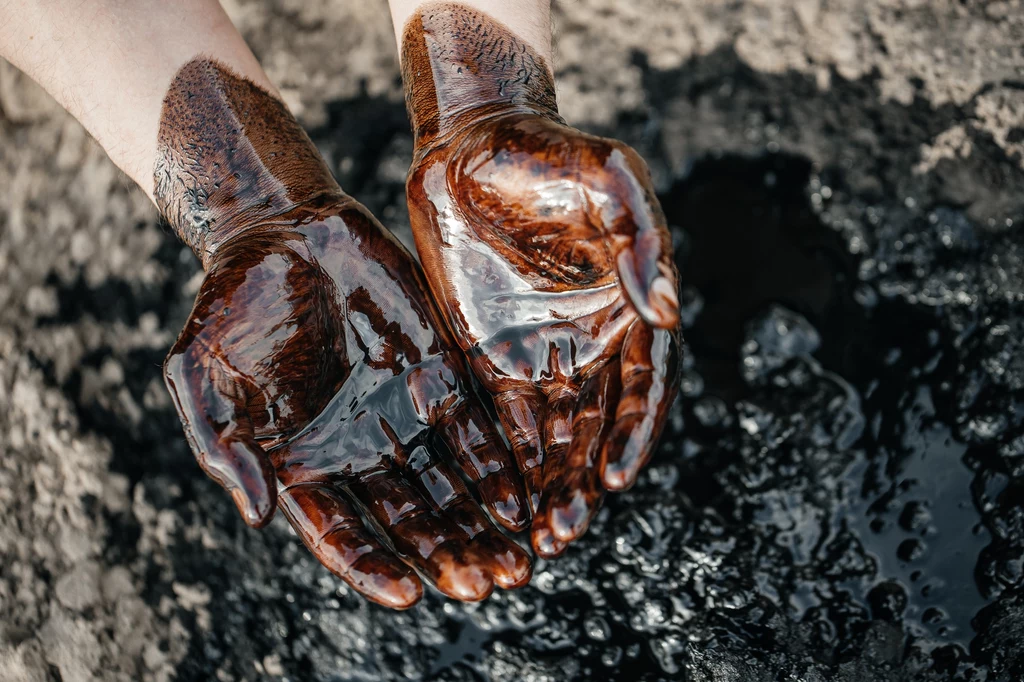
x: 461, y: 579
x: 617, y: 477
x: 568, y: 521
x: 401, y: 595
x: 512, y: 568
x: 545, y: 544
x: 504, y: 503
x: 256, y: 513
x: 394, y: 586
x: 664, y: 302
x: 513, y: 517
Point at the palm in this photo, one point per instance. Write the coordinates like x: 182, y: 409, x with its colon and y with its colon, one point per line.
x: 312, y: 373
x: 548, y: 253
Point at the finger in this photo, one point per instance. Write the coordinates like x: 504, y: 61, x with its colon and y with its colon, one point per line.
x: 557, y: 436
x: 645, y: 265
x: 522, y: 416
x: 545, y: 544
x: 220, y: 432
x: 472, y: 437
x: 447, y: 494
x: 431, y: 544
x: 650, y: 360
x: 334, y: 533
x: 571, y: 500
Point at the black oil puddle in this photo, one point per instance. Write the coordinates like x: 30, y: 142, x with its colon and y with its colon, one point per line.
x: 755, y: 243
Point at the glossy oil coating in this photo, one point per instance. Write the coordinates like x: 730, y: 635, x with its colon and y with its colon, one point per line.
x: 548, y: 255
x: 314, y: 373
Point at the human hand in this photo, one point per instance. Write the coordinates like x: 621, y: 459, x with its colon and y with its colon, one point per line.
x: 548, y: 255
x: 313, y: 373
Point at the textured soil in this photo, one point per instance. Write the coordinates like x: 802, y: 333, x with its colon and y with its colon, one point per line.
x: 840, y: 495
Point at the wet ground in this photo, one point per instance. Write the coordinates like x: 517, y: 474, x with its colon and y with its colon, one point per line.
x: 839, y: 496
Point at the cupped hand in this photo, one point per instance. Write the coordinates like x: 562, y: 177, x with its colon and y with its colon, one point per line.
x: 313, y: 373
x: 548, y: 254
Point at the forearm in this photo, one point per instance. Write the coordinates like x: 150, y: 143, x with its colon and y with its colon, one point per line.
x: 110, y: 62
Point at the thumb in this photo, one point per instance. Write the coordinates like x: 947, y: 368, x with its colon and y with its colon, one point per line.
x: 220, y: 433
x: 650, y: 284
x: 644, y: 261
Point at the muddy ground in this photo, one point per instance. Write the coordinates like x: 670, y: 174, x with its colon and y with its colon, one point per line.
x: 840, y: 495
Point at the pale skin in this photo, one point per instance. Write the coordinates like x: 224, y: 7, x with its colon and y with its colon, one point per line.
x: 111, y: 63
x: 108, y: 63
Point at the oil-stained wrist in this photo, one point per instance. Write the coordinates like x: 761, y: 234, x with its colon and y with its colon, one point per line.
x: 230, y: 158
x: 460, y: 65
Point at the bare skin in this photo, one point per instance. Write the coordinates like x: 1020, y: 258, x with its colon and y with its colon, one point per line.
x: 548, y: 255
x: 109, y: 63
x: 314, y: 373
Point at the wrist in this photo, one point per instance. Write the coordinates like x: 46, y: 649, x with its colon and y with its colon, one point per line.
x: 461, y: 65
x: 231, y: 159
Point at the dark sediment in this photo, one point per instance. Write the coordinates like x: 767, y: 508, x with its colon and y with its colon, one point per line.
x: 839, y: 496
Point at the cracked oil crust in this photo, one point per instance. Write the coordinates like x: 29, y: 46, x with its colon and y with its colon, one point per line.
x: 456, y: 60
x: 218, y: 135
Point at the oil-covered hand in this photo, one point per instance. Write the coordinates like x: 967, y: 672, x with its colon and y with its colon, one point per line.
x: 548, y: 255
x: 313, y: 373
